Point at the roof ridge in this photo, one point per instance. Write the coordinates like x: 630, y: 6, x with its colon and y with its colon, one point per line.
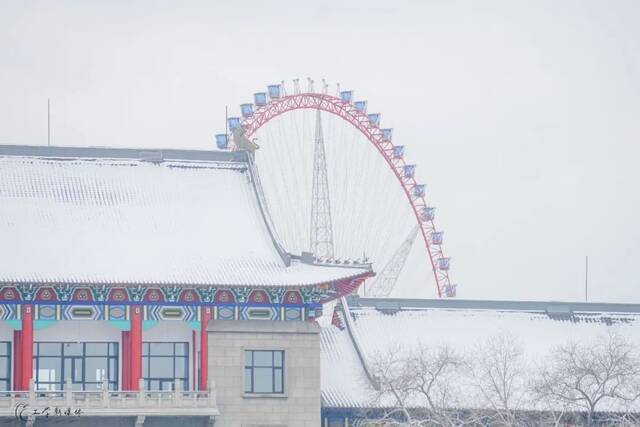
x: 147, y: 154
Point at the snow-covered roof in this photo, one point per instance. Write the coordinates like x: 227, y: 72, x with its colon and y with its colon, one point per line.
x: 382, y: 325
x: 90, y: 215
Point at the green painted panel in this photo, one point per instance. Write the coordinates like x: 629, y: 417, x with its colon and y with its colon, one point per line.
x: 123, y: 325
x: 15, y: 324
x: 148, y: 324
x: 41, y: 324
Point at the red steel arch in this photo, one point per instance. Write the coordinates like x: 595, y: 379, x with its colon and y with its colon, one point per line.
x: 359, y: 119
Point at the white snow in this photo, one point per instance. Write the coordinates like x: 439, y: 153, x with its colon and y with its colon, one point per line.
x: 129, y: 221
x: 343, y: 380
x: 462, y: 329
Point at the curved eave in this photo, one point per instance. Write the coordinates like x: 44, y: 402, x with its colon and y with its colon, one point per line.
x: 75, y: 282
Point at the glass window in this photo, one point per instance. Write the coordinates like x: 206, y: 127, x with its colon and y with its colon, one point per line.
x: 161, y: 348
x: 5, y: 365
x: 264, y: 371
x: 161, y: 367
x: 72, y: 349
x: 96, y: 369
x: 262, y: 358
x: 182, y: 349
x: 96, y: 348
x: 247, y: 379
x: 87, y: 365
x: 277, y: 359
x: 49, y: 370
x: 163, y: 363
x: 49, y: 348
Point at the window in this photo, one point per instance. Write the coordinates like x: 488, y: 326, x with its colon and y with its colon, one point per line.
x: 163, y: 363
x: 86, y: 364
x: 5, y: 366
x: 264, y: 371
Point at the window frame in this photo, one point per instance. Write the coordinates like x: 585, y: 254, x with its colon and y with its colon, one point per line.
x: 248, y: 370
x: 8, y: 359
x: 112, y: 369
x: 147, y: 355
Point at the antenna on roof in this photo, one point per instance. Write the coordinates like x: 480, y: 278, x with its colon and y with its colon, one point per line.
x: 586, y: 278
x: 226, y: 121
x: 48, y: 121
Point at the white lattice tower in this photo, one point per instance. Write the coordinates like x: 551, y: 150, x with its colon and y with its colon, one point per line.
x: 386, y: 279
x: 321, y: 225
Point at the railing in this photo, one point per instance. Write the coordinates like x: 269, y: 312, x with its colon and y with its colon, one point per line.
x: 107, y: 402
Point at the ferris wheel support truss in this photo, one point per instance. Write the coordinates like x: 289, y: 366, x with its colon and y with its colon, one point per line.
x: 386, y: 279
x: 321, y: 241
x: 279, y: 103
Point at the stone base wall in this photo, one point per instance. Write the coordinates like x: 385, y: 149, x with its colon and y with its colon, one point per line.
x: 299, y: 406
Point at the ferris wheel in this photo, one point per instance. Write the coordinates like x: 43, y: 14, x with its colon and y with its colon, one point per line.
x: 337, y: 186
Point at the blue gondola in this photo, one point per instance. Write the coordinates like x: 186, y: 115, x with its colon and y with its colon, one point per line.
x: 409, y: 170
x: 274, y: 91
x: 346, y: 95
x: 443, y: 264
x: 246, y: 110
x: 222, y: 141
x: 428, y: 213
x: 418, y: 190
x: 450, y: 291
x: 374, y: 119
x: 234, y: 123
x: 398, y: 151
x: 360, y: 106
x: 260, y: 98
x: 436, y: 237
x: 387, y: 134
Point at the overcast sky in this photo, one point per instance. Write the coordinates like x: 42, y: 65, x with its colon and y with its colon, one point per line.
x: 523, y: 116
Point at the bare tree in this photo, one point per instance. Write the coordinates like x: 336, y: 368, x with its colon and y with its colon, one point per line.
x: 493, y: 386
x: 419, y: 387
x: 603, y: 376
x: 497, y: 375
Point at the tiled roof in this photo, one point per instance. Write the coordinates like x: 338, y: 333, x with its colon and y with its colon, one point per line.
x: 68, y: 217
x: 383, y: 325
x: 344, y: 382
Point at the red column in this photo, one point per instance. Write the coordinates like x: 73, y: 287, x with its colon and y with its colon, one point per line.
x: 204, y: 347
x: 126, y: 361
x: 26, y: 347
x: 135, y: 346
x: 17, y: 360
x: 194, y: 383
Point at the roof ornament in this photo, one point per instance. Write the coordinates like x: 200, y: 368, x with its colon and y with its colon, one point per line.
x: 242, y: 142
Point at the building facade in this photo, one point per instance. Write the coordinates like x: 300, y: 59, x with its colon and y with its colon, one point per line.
x: 130, y: 281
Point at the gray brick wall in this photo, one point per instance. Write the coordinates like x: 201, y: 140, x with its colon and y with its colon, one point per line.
x: 300, y: 404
